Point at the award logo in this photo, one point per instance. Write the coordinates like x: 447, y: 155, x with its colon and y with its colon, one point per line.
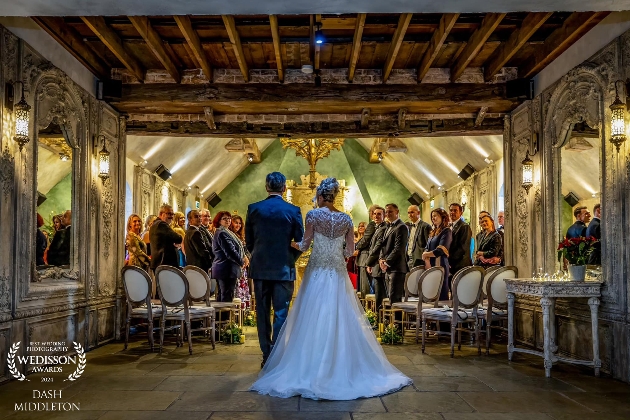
x: 47, y: 358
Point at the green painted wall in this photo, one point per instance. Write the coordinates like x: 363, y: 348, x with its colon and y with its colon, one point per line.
x: 369, y: 183
x: 566, y: 217
x: 58, y: 200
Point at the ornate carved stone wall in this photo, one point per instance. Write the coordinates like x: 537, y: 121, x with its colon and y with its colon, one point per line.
x: 533, y: 226
x: 153, y: 192
x: 81, y: 302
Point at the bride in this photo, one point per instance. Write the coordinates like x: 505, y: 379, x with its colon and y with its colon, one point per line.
x: 326, y: 348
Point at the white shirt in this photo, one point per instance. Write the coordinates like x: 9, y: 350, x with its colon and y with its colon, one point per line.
x: 412, y: 236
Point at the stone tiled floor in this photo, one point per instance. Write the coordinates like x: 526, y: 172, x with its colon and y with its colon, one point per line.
x: 212, y: 384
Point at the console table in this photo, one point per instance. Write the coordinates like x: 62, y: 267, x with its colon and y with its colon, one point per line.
x: 548, y: 291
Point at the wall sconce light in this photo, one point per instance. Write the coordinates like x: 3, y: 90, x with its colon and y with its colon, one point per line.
x: 617, y: 121
x: 528, y: 167
x: 464, y: 200
x: 432, y: 203
x: 319, y: 36
x: 250, y: 157
x: 22, y: 116
x: 63, y: 157
x: 103, y: 160
x: 380, y: 156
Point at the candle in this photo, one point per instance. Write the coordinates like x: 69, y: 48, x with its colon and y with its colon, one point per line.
x: 378, y: 339
x: 243, y: 339
x: 380, y: 328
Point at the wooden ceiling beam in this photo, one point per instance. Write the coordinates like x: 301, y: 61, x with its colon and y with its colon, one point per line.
x: 356, y: 45
x: 379, y: 128
x: 194, y: 43
x: 394, y: 47
x: 435, y: 45
x: 505, y: 51
x: 112, y: 41
x: 275, y: 34
x: 73, y: 42
x: 475, y: 44
x: 155, y: 44
x: 235, y: 39
x: 574, y: 27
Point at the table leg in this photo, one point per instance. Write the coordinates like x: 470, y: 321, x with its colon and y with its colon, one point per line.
x: 510, y: 298
x: 594, y: 304
x: 552, y: 327
x: 546, y: 304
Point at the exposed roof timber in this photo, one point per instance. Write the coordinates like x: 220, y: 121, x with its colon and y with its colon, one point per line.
x: 235, y: 39
x: 112, y: 41
x: 435, y: 45
x: 277, y: 49
x: 356, y: 45
x: 562, y: 38
x: 474, y: 45
x: 74, y: 43
x: 155, y: 44
x: 394, y: 47
x: 194, y: 44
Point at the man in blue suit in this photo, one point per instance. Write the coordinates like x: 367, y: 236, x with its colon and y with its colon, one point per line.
x: 270, y: 227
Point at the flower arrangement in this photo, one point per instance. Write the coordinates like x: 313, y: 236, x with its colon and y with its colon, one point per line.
x: 391, y: 335
x: 576, y: 250
x: 250, y: 319
x: 371, y: 317
x: 232, y: 334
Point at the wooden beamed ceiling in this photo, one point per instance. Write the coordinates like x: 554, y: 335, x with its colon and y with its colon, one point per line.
x: 186, y: 64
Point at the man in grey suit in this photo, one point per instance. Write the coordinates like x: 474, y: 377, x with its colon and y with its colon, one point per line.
x: 418, y: 237
x: 363, y: 247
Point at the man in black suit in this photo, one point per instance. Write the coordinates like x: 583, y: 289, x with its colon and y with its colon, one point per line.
x: 363, y: 248
x: 59, y: 250
x: 207, y: 230
x: 393, y: 258
x: 460, y: 246
x: 418, y: 237
x: 582, y: 217
x: 594, y: 230
x: 271, y: 226
x: 372, y: 267
x: 197, y: 253
x: 163, y: 239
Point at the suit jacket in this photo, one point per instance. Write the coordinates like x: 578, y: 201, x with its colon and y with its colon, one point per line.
x: 418, y: 243
x: 208, y: 238
x: 363, y: 245
x: 394, y: 250
x: 576, y: 230
x: 271, y: 226
x: 376, y: 243
x: 594, y: 230
x: 228, y: 258
x: 459, y: 251
x: 197, y: 253
x: 59, y: 251
x: 163, y: 239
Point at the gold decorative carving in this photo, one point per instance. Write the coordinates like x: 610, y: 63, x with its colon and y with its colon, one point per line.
x: 302, y: 195
x: 57, y: 145
x: 312, y: 150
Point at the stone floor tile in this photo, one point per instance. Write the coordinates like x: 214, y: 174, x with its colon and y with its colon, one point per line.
x: 399, y: 360
x: 208, y: 383
x: 420, y: 370
x: 190, y: 369
x: 528, y: 383
x: 124, y: 400
x: 369, y: 405
x: 449, y: 384
x: 397, y: 416
x: 593, y: 384
x: 251, y: 367
x: 498, y: 416
x: 521, y: 402
x: 281, y: 416
x: 605, y: 402
x: 425, y: 402
x: 133, y: 369
x: 60, y: 415
x: 235, y: 401
x: 116, y: 383
x: 589, y: 416
x: 152, y: 415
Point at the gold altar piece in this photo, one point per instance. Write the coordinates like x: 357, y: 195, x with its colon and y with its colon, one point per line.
x: 312, y: 150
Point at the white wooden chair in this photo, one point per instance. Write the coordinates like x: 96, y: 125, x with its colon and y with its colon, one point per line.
x: 174, y: 291
x: 496, y: 310
x: 199, y: 286
x: 422, y: 291
x: 486, y: 276
x: 466, y: 289
x: 138, y: 292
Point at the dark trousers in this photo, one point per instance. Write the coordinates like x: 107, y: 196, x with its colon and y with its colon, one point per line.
x: 379, y: 290
x: 395, y: 283
x: 270, y: 293
x: 226, y: 293
x: 365, y: 280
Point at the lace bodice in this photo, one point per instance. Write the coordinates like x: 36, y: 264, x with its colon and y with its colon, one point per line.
x: 328, y: 231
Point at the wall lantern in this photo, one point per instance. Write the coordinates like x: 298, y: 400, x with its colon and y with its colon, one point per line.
x: 617, y: 121
x: 22, y: 111
x: 528, y: 166
x: 103, y: 161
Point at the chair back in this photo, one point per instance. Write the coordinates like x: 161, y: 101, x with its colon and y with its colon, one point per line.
x: 430, y: 284
x: 486, y: 276
x: 198, y: 283
x: 411, y: 282
x: 497, y: 292
x: 172, y: 284
x: 467, y: 287
x: 137, y: 284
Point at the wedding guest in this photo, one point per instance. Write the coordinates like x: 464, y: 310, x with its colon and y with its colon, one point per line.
x: 489, y: 244
x: 360, y: 231
x: 594, y: 230
x: 197, y: 253
x: 163, y: 239
x: 41, y: 243
x: 437, y: 252
x: 418, y: 237
x: 136, y: 247
x: 459, y: 249
x: 362, y: 248
x: 578, y: 229
x: 178, y: 226
x: 229, y: 256
x: 145, y: 234
x: 59, y: 250
x: 243, y: 286
x: 393, y: 257
x: 501, y: 221
x: 377, y: 276
x: 207, y: 230
x: 57, y: 223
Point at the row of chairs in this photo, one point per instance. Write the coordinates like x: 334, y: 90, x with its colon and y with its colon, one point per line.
x: 476, y: 294
x: 184, y: 297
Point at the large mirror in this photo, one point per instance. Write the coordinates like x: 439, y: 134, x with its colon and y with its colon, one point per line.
x: 54, y: 198
x: 580, y: 186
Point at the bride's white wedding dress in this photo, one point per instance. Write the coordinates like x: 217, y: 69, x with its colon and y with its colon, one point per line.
x: 326, y: 348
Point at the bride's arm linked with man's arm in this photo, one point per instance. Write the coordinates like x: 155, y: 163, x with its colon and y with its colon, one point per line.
x: 305, y: 243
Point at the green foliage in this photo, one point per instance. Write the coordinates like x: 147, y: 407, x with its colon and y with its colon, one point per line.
x: 391, y: 335
x: 250, y: 319
x: 371, y: 317
x: 231, y: 334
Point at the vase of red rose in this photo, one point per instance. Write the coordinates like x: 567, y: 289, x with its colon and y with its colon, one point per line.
x: 576, y: 251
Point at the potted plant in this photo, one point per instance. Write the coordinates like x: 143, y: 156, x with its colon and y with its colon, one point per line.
x: 576, y: 252
x: 232, y: 334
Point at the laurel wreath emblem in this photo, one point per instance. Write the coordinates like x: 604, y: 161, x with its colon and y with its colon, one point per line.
x: 11, y: 363
x: 80, y: 366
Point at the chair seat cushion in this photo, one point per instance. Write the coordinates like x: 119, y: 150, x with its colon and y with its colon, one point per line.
x: 497, y: 314
x: 370, y: 297
x: 201, y: 310
x: 222, y: 305
x: 143, y: 311
x: 441, y: 314
x: 411, y: 306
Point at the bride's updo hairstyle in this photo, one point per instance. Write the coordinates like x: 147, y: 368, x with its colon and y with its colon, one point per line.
x: 328, y: 189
